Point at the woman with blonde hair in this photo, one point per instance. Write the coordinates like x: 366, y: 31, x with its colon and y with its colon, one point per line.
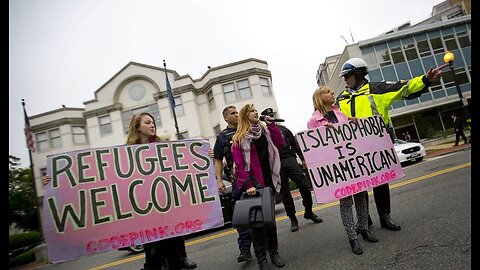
x: 255, y: 156
x: 326, y: 114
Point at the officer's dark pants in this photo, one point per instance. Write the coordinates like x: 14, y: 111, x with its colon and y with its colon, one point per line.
x: 290, y: 169
x: 157, y: 252
x: 244, y: 238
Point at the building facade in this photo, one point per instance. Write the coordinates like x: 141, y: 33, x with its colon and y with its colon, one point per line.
x: 142, y: 88
x: 409, y: 51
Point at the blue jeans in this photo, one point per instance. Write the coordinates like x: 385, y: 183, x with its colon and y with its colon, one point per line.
x: 244, y: 238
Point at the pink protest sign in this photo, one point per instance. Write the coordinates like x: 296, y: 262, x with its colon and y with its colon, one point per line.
x: 102, y: 199
x: 349, y: 158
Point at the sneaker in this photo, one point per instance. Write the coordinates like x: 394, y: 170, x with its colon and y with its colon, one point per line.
x: 244, y: 256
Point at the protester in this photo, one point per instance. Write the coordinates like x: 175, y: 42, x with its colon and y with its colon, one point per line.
x: 255, y: 155
x: 458, y: 126
x: 326, y: 114
x: 290, y: 169
x: 222, y: 150
x: 363, y: 99
x: 169, y: 253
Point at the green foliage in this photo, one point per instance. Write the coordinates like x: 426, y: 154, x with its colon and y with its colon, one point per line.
x: 24, y: 258
x: 22, y: 209
x: 292, y: 185
x: 24, y: 239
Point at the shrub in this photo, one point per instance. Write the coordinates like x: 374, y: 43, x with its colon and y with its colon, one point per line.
x: 24, y: 258
x: 24, y: 239
x: 292, y: 185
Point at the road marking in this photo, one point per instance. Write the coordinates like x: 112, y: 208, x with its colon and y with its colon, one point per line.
x: 323, y: 206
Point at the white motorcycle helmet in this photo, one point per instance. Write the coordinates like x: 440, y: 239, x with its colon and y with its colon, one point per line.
x: 355, y: 65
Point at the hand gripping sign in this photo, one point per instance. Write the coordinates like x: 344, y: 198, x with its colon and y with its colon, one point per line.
x: 349, y: 158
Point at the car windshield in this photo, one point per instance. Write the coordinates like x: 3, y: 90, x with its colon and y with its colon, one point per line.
x: 398, y: 141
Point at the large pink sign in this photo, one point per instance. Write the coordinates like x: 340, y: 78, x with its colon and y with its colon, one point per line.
x: 349, y: 158
x: 102, y: 199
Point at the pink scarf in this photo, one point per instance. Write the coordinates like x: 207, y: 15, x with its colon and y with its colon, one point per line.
x: 273, y: 156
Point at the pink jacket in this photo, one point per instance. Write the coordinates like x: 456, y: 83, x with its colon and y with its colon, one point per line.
x: 318, y: 120
x: 255, y: 166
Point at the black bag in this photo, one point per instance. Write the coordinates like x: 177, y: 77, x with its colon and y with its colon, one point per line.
x: 256, y: 210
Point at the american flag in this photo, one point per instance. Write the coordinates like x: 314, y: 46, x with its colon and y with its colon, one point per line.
x: 28, y: 130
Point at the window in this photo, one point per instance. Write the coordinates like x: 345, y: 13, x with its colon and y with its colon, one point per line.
x: 450, y: 42
x: 244, y: 89
x: 463, y: 39
x: 42, y: 141
x: 178, y: 106
x: 437, y: 46
x: 211, y: 101
x: 229, y: 92
x: 49, y: 139
x: 151, y: 109
x: 55, y: 138
x: 265, y: 85
x: 397, y: 55
x: 216, y: 129
x: 236, y: 91
x: 410, y: 51
x: 383, y: 56
x: 423, y: 48
x: 79, y: 135
x: 448, y: 79
x: 105, y: 125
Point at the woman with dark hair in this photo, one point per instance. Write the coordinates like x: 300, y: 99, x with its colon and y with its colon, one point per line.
x: 256, y: 158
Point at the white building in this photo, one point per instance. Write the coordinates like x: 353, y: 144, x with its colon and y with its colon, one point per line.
x: 138, y: 87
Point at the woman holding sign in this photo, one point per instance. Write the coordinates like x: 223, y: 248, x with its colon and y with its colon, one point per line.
x: 327, y: 114
x: 169, y: 253
x: 255, y: 155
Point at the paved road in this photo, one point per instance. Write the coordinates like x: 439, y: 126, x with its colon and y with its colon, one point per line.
x: 432, y: 203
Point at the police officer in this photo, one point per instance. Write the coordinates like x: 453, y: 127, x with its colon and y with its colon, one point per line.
x: 221, y: 150
x: 363, y: 99
x: 290, y: 169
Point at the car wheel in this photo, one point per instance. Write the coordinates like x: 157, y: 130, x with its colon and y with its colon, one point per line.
x: 136, y: 249
x: 420, y: 159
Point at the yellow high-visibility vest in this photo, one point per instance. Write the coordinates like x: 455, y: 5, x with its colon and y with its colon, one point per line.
x: 375, y: 98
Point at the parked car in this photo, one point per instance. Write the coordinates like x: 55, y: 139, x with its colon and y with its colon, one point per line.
x: 227, y: 211
x: 409, y: 151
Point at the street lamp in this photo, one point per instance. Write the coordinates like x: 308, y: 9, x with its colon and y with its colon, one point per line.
x: 448, y: 58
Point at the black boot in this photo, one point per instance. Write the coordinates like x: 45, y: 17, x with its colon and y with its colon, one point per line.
x: 277, y: 261
x: 356, y: 248
x: 244, y: 256
x: 187, y: 264
x: 259, y: 241
x: 264, y: 265
x: 370, y: 222
x: 367, y: 235
x: 294, y: 223
x: 310, y: 215
x: 387, y: 223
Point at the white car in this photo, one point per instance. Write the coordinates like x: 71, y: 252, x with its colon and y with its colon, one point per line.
x: 409, y: 151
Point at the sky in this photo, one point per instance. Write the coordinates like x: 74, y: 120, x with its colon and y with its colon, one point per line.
x: 61, y: 52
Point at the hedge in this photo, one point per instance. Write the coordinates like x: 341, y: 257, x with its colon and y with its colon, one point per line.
x: 20, y: 240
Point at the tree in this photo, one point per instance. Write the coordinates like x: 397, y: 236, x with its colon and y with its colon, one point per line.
x: 22, y: 209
